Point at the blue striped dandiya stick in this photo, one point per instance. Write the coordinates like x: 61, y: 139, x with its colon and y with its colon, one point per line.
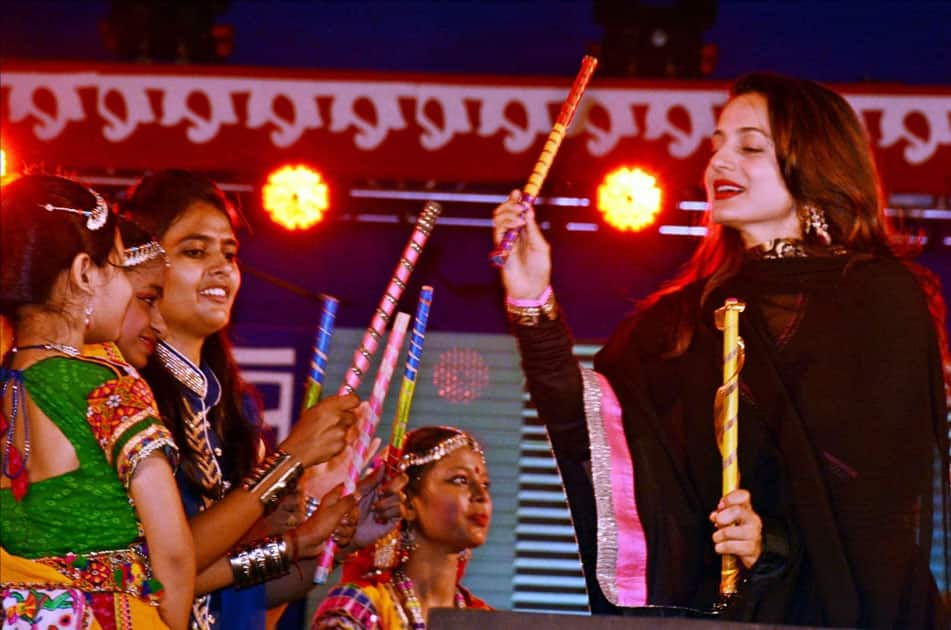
x: 318, y: 364
x: 408, y: 386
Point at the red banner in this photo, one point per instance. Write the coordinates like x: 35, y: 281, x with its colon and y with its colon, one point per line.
x: 469, y: 129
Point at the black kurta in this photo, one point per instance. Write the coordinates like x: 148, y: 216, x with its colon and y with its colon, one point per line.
x: 843, y: 440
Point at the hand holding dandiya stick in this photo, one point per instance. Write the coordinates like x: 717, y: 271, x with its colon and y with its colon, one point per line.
x: 727, y: 408
x: 558, y: 131
x: 380, y: 386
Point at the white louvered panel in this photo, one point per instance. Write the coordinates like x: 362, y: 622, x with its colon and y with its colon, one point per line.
x: 547, y: 546
x: 548, y: 576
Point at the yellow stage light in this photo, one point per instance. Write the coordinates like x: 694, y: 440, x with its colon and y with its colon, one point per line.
x: 296, y: 197
x: 629, y: 199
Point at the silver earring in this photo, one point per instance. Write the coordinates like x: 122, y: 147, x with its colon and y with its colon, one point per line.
x: 814, y: 221
x: 408, y: 538
x: 88, y: 312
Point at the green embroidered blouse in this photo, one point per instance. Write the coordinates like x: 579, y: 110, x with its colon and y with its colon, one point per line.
x: 107, y: 413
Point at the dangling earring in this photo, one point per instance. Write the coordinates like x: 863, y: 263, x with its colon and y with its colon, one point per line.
x: 464, y: 555
x: 407, y: 541
x: 814, y: 221
x: 88, y: 312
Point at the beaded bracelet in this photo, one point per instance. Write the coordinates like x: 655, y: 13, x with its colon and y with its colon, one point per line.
x: 532, y: 312
x: 273, y: 479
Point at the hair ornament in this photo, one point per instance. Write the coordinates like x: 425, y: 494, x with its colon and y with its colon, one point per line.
x: 134, y: 256
x: 442, y: 449
x: 95, y: 218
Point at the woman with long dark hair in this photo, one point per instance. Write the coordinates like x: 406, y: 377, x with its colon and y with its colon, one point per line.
x: 843, y: 441
x: 227, y: 481
x: 90, y: 524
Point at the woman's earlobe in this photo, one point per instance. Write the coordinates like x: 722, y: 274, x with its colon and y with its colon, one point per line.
x: 79, y: 273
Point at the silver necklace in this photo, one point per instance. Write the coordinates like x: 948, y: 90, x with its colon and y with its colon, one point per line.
x: 71, y: 351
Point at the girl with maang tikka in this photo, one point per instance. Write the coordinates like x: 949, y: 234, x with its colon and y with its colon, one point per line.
x: 91, y: 531
x: 447, y: 513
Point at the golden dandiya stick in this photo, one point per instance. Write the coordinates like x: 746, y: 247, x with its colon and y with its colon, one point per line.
x: 558, y: 131
x: 726, y: 411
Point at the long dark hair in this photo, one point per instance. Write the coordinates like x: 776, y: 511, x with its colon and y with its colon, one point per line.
x: 155, y: 204
x: 36, y: 245
x: 826, y: 161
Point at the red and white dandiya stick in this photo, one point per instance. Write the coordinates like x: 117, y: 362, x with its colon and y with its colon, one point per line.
x: 371, y: 338
x: 380, y: 386
x: 535, y: 180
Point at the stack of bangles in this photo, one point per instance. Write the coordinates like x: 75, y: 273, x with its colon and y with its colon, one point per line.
x: 268, y: 558
x: 260, y: 561
x: 532, y: 312
x: 274, y: 478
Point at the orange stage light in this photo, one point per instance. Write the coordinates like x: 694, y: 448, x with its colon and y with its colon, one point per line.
x: 3, y: 163
x: 629, y: 199
x: 296, y: 197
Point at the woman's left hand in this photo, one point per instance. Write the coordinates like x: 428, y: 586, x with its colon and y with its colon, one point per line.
x: 739, y: 528
x: 381, y: 507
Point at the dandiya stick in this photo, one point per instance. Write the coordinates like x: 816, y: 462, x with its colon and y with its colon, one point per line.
x: 408, y: 386
x: 727, y: 420
x: 318, y: 364
x: 371, y: 338
x: 380, y: 386
x: 558, y: 131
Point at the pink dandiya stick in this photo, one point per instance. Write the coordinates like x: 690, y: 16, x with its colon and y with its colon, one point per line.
x: 380, y: 386
x: 371, y: 338
x: 501, y: 253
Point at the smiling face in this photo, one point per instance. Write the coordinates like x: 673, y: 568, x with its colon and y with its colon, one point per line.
x: 203, y: 278
x: 143, y: 325
x: 745, y: 188
x: 452, y: 507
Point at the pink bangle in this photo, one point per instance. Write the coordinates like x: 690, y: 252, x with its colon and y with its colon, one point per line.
x: 537, y: 302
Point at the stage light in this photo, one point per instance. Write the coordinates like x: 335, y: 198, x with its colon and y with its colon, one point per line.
x: 461, y: 375
x: 629, y: 199
x: 3, y: 163
x: 296, y: 197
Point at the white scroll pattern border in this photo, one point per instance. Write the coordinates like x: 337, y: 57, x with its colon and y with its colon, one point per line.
x: 493, y: 102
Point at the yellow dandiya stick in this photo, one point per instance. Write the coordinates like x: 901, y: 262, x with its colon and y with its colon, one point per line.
x: 500, y: 254
x: 727, y: 409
